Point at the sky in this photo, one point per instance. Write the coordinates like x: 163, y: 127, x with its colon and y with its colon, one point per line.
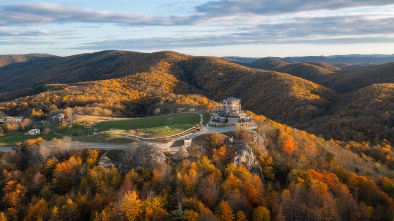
x: 247, y: 28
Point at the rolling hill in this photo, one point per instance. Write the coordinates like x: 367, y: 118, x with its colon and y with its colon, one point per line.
x: 11, y: 59
x: 356, y: 59
x: 342, y: 78
x: 72, y: 69
x: 272, y: 172
x: 131, y: 84
x: 365, y: 115
x: 266, y: 63
x: 345, y: 82
x: 279, y: 96
x: 312, y: 71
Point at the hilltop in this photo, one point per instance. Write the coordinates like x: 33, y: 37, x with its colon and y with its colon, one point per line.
x: 365, y: 115
x: 342, y: 78
x: 212, y: 77
x: 130, y: 84
x: 11, y: 59
x: 349, y: 81
x: 252, y: 175
x: 343, y: 150
x: 77, y: 68
x: 307, y: 70
x: 276, y: 95
x: 337, y: 60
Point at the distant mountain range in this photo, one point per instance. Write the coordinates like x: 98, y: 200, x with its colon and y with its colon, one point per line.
x: 334, y: 59
x: 318, y: 97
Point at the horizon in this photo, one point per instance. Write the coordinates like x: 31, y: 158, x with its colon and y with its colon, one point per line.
x: 226, y: 56
x: 219, y: 28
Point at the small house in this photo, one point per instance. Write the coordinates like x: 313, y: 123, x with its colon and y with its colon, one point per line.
x: 34, y: 132
x: 5, y: 119
x: 58, y: 117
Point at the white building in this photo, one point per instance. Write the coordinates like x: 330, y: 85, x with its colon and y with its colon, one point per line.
x: 58, y: 117
x: 34, y: 132
x: 230, y: 113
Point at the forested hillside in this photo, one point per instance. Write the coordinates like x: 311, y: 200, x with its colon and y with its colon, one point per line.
x: 123, y: 83
x: 341, y: 78
x: 337, y: 60
x: 275, y: 172
x: 136, y: 95
x: 312, y: 71
x: 276, y: 95
x: 266, y: 63
x: 11, y: 59
x: 363, y: 110
x: 347, y: 82
x: 300, y: 175
x: 285, y: 98
x: 365, y: 115
x: 77, y: 68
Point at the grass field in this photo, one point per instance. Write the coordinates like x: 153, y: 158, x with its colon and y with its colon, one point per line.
x: 152, y: 126
x: 114, y: 130
x: 11, y: 139
x: 206, y: 118
x: 187, y: 120
x: 72, y: 129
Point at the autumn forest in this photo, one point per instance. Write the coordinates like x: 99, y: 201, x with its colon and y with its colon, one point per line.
x: 321, y: 148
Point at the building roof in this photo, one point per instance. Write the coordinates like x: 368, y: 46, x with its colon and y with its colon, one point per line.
x: 231, y: 99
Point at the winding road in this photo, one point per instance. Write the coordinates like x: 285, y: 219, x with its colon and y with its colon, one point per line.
x: 116, y: 146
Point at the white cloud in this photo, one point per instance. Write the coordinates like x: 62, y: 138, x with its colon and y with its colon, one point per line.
x: 29, y: 32
x: 223, y: 22
x: 267, y: 7
x: 45, y: 13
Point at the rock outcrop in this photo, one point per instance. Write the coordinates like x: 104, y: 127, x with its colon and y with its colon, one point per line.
x: 244, y: 156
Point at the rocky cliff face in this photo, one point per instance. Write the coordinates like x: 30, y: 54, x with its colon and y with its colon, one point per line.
x: 244, y: 156
x: 143, y: 155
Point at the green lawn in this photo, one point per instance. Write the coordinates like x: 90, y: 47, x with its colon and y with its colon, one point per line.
x: 52, y: 135
x: 206, y: 118
x: 149, y: 127
x: 158, y: 126
x: 186, y: 120
x: 11, y: 139
x: 72, y: 129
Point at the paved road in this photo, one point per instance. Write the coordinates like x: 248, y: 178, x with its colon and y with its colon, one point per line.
x: 104, y: 146
x: 5, y: 149
x: 209, y: 130
x: 114, y: 146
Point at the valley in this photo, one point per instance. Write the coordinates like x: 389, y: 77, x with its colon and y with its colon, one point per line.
x: 131, y: 84
x: 120, y: 127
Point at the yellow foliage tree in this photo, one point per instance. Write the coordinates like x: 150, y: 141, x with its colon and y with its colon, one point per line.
x: 241, y: 216
x: 224, y: 212
x: 92, y: 156
x: 191, y: 215
x: 38, y: 211
x: 130, y: 206
x: 289, y: 145
x: 3, y: 217
x: 261, y: 213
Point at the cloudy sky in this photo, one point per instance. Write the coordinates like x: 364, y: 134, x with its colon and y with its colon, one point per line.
x: 255, y: 28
